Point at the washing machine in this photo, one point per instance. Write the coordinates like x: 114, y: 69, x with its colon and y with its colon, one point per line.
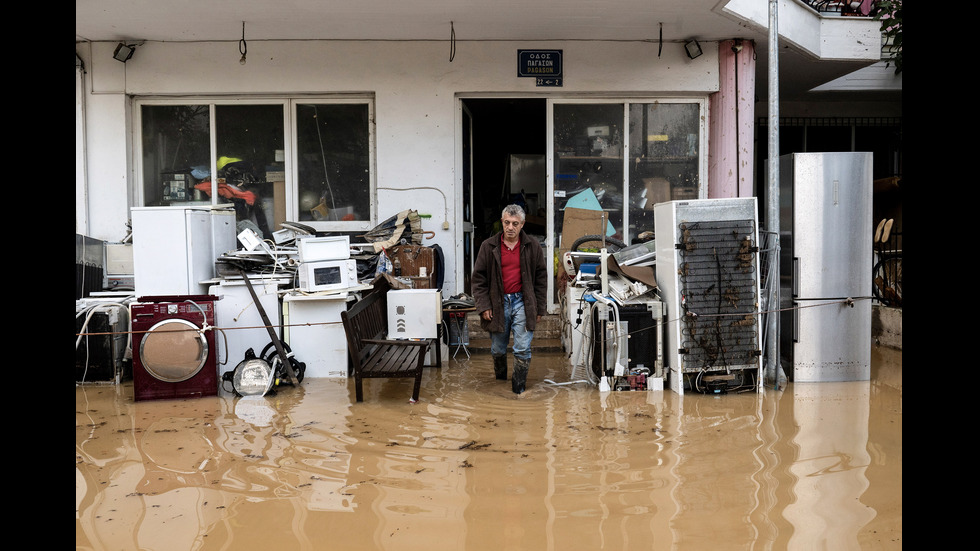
x: 172, y: 356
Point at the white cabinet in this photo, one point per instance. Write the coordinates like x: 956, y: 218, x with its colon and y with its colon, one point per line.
x: 315, y: 333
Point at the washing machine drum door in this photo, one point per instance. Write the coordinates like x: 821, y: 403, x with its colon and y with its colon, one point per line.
x: 173, y: 350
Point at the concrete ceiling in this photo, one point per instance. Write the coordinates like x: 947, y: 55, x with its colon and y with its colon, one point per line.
x: 510, y: 20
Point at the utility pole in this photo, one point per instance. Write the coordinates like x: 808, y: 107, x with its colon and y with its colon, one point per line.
x: 773, y: 369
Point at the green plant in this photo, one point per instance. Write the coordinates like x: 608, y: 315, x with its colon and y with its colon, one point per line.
x: 889, y: 12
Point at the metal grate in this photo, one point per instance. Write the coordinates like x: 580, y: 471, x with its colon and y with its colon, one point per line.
x: 718, y: 276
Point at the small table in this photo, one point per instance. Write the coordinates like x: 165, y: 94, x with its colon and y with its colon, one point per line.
x: 459, y: 332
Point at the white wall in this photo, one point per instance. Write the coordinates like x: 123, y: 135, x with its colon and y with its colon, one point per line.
x: 415, y: 88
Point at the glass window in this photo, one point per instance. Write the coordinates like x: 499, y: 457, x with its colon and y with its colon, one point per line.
x: 588, y: 157
x: 250, y: 149
x: 619, y: 159
x: 323, y: 177
x: 176, y: 153
x: 333, y: 162
x: 665, y: 142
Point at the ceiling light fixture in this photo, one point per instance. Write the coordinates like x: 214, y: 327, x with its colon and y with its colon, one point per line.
x: 123, y: 52
x: 693, y: 49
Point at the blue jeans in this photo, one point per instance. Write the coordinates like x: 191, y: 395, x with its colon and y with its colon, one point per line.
x: 514, y: 320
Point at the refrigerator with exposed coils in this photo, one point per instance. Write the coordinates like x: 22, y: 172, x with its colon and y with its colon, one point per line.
x: 708, y: 275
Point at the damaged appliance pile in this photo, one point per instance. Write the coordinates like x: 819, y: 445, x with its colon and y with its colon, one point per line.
x: 704, y: 270
x: 615, y: 316
x: 316, y: 265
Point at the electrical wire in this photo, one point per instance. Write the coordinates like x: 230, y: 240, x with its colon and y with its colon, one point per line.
x: 452, y: 42
x: 445, y: 205
x: 660, y: 48
x: 88, y: 316
x: 618, y: 329
x: 83, y: 332
x: 323, y: 156
x: 242, y: 45
x: 205, y: 326
x: 580, y: 364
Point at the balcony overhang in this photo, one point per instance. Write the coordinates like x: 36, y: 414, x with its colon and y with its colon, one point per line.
x: 823, y: 37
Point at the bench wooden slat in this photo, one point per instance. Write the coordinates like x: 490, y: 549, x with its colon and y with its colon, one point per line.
x: 391, y: 361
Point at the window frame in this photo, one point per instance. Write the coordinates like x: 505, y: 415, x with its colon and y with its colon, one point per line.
x: 292, y: 183
x: 289, y: 108
x: 626, y: 102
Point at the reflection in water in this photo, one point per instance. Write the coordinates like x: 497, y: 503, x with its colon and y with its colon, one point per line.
x: 472, y: 466
x: 831, y: 464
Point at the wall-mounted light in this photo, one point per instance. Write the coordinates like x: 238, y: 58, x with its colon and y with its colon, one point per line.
x: 693, y: 48
x: 123, y: 52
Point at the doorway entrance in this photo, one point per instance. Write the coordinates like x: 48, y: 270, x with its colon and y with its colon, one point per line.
x: 504, y: 152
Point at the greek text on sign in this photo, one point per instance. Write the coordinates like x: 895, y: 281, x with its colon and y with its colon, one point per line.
x: 539, y: 63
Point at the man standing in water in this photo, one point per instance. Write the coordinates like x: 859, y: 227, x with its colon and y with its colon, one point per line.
x: 510, y: 286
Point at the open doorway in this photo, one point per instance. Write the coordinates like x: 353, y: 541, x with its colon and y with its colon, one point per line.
x: 506, y: 142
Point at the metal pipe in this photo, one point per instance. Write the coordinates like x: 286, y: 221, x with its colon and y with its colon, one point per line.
x: 773, y: 369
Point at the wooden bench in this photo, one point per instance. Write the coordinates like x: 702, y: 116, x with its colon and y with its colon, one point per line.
x: 372, y: 354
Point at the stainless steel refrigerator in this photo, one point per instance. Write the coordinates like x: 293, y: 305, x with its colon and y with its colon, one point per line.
x: 826, y: 255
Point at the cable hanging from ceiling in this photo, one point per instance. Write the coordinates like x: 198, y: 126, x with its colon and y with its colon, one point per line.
x: 452, y: 42
x: 242, y: 45
x: 660, y: 48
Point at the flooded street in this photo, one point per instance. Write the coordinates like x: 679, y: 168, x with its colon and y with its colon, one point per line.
x: 471, y: 466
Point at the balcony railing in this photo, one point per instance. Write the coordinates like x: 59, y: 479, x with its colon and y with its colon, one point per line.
x: 851, y: 8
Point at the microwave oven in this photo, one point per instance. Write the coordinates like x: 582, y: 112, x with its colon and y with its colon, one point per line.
x: 327, y: 275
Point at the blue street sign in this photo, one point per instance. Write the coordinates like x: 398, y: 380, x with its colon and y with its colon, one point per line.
x: 539, y: 64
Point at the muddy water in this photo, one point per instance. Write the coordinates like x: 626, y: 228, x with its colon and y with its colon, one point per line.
x: 472, y: 467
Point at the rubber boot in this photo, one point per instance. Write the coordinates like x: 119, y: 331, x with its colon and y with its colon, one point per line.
x: 520, y: 375
x: 500, y: 367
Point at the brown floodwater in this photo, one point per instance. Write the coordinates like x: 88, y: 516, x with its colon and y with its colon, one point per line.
x: 471, y: 466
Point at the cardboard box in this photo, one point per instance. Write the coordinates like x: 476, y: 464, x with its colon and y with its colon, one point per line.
x: 578, y: 222
x: 686, y: 193
x: 119, y: 258
x: 657, y: 191
x: 279, y: 203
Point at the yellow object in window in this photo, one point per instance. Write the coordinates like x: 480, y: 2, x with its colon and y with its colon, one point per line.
x: 222, y: 161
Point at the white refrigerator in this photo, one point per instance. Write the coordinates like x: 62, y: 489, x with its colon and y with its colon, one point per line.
x: 825, y: 266
x: 174, y: 248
